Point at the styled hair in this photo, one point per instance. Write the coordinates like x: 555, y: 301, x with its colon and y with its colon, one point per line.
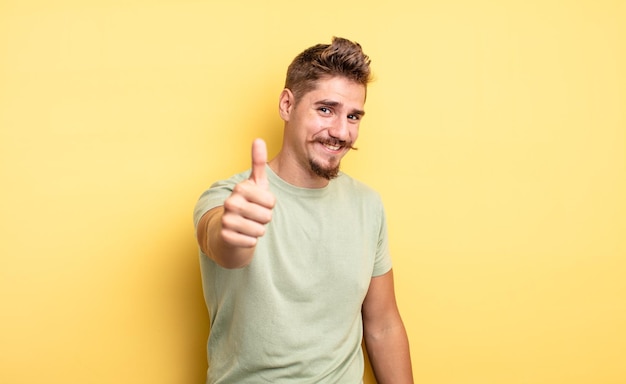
x: 340, y: 58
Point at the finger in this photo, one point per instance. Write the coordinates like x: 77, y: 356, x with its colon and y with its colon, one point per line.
x: 240, y: 206
x: 243, y: 226
x: 237, y: 239
x: 259, y: 159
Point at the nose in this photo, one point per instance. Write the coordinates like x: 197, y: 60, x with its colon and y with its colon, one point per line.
x: 339, y: 129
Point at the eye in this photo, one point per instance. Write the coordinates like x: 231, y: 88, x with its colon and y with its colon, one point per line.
x: 354, y: 117
x: 324, y: 110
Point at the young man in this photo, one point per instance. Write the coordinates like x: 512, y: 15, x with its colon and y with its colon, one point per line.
x: 295, y: 262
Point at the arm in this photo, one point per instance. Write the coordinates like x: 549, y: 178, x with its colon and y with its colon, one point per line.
x: 228, y: 234
x: 384, y: 333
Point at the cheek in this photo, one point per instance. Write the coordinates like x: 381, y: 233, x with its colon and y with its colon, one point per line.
x: 354, y: 133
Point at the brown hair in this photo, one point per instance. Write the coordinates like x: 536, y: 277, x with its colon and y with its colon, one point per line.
x: 340, y: 58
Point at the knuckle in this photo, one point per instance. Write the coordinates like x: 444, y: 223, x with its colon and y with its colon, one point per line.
x: 227, y: 221
x: 232, y: 204
x: 241, y: 188
x: 238, y: 188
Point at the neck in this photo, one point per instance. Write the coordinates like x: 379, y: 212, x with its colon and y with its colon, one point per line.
x: 298, y: 175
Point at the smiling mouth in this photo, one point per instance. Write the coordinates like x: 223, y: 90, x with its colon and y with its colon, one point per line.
x: 333, y: 144
x: 332, y: 147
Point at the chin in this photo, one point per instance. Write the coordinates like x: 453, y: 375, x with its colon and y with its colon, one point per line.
x: 327, y: 173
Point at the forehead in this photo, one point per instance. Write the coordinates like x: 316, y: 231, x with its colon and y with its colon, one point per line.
x: 338, y: 88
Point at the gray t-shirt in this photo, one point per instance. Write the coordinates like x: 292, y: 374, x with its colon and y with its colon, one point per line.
x: 293, y: 315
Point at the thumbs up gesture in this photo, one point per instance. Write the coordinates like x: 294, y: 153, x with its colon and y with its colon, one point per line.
x: 259, y: 158
x: 249, y: 207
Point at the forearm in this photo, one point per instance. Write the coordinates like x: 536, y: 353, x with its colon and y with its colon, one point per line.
x: 388, y: 351
x: 213, y: 245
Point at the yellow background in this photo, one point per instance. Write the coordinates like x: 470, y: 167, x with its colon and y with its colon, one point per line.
x: 495, y: 132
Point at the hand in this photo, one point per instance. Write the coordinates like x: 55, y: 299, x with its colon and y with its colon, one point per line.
x: 249, y: 207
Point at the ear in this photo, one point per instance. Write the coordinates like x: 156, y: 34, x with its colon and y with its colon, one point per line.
x: 286, y: 103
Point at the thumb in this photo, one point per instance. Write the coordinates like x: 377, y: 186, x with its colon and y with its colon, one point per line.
x: 259, y: 158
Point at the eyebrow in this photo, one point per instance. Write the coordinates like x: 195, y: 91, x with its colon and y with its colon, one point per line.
x: 333, y: 103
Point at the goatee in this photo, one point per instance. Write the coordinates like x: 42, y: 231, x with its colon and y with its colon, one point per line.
x: 326, y: 173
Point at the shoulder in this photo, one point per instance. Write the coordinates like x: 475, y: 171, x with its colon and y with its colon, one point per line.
x: 224, y: 187
x: 217, y: 193
x: 230, y: 182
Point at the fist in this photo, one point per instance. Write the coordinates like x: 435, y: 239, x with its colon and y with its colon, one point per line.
x: 249, y: 207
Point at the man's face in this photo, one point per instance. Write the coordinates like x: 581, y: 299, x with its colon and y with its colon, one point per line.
x: 324, y: 125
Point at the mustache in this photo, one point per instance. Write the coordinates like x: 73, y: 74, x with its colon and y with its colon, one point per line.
x: 332, y: 141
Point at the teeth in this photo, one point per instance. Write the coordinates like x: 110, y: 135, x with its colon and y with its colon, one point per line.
x: 332, y: 147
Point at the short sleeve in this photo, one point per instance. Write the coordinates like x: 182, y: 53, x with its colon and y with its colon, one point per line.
x: 215, y: 196
x: 382, y: 262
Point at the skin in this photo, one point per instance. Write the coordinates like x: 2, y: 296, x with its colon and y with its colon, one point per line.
x: 320, y: 128
x: 329, y: 114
